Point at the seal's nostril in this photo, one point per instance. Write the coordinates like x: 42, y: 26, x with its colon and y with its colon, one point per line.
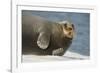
x: 70, y: 28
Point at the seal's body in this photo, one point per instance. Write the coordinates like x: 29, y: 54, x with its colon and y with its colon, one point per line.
x: 44, y: 37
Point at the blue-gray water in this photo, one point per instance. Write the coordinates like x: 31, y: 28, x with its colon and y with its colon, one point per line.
x: 81, y: 42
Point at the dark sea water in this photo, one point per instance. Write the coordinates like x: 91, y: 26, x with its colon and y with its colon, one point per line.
x: 81, y: 21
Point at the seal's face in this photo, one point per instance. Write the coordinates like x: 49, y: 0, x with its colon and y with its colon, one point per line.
x: 68, y: 29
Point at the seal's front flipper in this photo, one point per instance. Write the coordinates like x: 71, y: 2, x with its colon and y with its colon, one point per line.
x: 43, y: 40
x: 58, y: 52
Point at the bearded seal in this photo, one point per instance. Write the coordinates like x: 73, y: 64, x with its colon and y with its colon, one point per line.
x: 44, y: 37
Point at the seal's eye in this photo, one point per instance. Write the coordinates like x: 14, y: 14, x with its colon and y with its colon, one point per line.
x: 73, y: 26
x: 65, y: 25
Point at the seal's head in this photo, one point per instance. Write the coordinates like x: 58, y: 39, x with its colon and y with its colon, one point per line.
x: 68, y: 29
